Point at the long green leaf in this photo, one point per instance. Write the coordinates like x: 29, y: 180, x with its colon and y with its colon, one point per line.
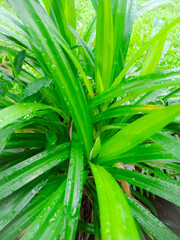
x: 136, y: 87
x: 145, y: 201
x: 25, y: 218
x: 11, y: 20
x: 115, y: 214
x: 6, y: 133
x: 124, y: 110
x: 123, y: 17
x: 104, y: 46
x: 153, y: 59
x: 146, y: 153
x: 166, y: 189
x: 47, y: 223
x: 57, y: 63
x: 85, y: 47
x: 35, y: 86
x: 73, y: 193
x: 20, y: 174
x: 168, y: 142
x: 95, y: 4
x: 12, y: 113
x: 136, y: 132
x: 13, y: 37
x: 11, y: 206
x: 149, y: 223
x: 28, y: 110
x: 90, y: 29
x: 59, y: 12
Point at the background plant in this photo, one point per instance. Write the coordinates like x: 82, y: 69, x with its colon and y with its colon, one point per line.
x: 84, y: 110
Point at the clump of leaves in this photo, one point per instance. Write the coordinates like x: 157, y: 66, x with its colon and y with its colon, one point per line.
x: 65, y: 136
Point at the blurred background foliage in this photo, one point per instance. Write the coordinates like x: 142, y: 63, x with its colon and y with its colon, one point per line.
x: 142, y: 30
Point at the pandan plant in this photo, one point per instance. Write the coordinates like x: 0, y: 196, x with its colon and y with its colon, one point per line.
x: 84, y: 138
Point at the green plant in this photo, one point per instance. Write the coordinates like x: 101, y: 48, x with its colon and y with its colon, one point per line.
x: 69, y: 124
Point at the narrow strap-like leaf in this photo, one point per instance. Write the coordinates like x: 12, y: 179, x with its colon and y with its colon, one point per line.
x: 115, y: 214
x: 145, y: 201
x: 10, y: 207
x: 149, y: 223
x: 50, y: 52
x: 73, y: 193
x: 136, y: 132
x: 168, y: 142
x: 147, y: 153
x: 24, y: 172
x: 29, y: 213
x: 123, y: 17
x: 136, y: 87
x: 90, y: 29
x: 104, y: 46
x: 85, y: 47
x: 28, y: 110
x: 35, y: 86
x: 48, y: 222
x: 124, y: 110
x: 166, y: 189
x: 59, y: 12
x: 95, y: 4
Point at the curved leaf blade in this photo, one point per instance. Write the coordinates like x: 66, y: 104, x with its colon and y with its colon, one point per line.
x: 48, y: 222
x: 166, y: 188
x: 115, y: 214
x: 124, y: 110
x: 149, y: 223
x: 57, y: 59
x: 168, y: 142
x: 18, y: 175
x: 10, y: 207
x: 25, y: 218
x: 73, y: 192
x: 136, y: 87
x: 137, y: 132
x: 35, y: 86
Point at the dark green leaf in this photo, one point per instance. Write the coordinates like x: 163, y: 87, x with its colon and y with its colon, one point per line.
x: 20, y: 174
x: 35, y: 86
x: 19, y: 60
x: 11, y: 206
x: 48, y: 222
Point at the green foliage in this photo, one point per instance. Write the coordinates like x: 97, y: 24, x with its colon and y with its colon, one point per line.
x: 70, y: 102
